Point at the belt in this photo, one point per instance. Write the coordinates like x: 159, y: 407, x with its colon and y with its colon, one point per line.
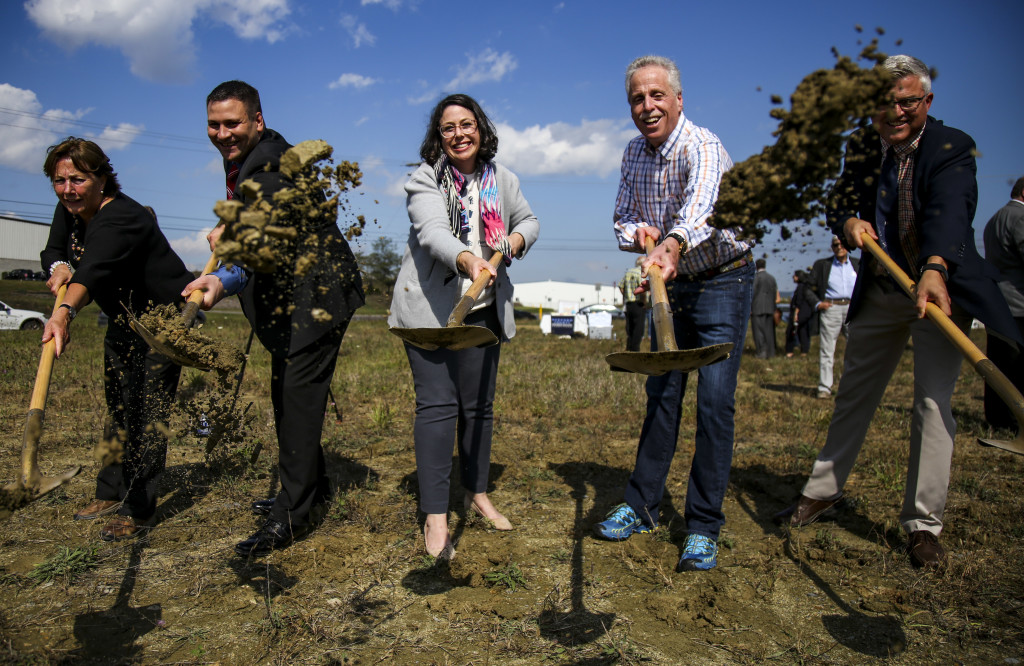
x: 837, y: 301
x: 743, y: 260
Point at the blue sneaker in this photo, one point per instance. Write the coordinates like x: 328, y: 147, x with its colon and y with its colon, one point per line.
x: 621, y: 522
x: 699, y: 554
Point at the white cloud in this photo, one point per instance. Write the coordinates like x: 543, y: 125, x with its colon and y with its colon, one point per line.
x: 194, y: 250
x: 594, y: 147
x: 27, y: 130
x: 393, y: 5
x: 359, y: 33
x: 114, y: 138
x: 349, y: 80
x: 155, y: 36
x: 489, y: 65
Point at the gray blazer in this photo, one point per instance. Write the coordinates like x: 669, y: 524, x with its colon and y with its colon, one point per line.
x: 424, y: 297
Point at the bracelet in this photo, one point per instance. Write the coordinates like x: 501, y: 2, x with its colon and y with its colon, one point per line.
x: 939, y: 268
x: 54, y: 265
x: 72, y: 312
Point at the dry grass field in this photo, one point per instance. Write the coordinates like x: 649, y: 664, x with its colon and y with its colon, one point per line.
x: 360, y: 590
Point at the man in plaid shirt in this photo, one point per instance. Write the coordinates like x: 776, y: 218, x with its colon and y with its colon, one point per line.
x: 670, y: 180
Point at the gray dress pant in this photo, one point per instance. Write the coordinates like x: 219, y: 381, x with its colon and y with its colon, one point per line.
x: 454, y: 403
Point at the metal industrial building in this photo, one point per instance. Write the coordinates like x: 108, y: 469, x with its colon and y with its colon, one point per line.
x: 21, y: 241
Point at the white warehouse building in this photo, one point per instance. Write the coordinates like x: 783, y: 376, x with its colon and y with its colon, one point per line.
x: 564, y: 296
x: 21, y: 241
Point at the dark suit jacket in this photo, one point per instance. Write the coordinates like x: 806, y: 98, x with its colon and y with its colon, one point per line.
x: 821, y: 270
x: 127, y: 259
x: 279, y: 305
x: 945, y: 195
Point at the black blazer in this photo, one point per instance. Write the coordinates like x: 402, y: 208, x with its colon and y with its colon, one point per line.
x: 945, y: 195
x: 127, y: 260
x: 280, y: 305
x: 821, y: 270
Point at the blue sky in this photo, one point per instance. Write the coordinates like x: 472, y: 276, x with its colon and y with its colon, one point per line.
x: 363, y: 75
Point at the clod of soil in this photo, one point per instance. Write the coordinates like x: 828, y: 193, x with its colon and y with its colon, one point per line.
x: 790, y: 180
x: 168, y: 327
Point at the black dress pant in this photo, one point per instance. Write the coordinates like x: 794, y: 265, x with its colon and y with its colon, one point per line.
x: 298, y: 390
x: 139, y: 386
x: 634, y: 325
x: 1011, y: 362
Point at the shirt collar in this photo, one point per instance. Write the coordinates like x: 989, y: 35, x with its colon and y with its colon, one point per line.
x: 667, y: 148
x: 907, y: 148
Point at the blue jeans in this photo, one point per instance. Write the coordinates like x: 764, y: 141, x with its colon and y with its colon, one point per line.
x: 705, y: 312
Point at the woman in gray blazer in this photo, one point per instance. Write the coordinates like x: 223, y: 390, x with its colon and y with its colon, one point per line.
x: 462, y: 206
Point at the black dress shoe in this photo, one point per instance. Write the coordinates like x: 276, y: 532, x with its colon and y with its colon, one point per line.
x: 272, y: 536
x: 263, y: 507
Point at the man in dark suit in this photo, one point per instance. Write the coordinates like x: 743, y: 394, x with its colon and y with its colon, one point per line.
x: 1004, y: 248
x: 919, y: 206
x: 832, y: 279
x: 762, y: 311
x: 279, y: 306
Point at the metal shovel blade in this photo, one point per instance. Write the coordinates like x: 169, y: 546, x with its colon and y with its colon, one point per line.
x: 449, y: 337
x: 1015, y: 445
x: 162, y: 345
x: 660, y: 362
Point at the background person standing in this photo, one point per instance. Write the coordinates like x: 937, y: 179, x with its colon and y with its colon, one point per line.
x: 762, y: 311
x: 1004, y: 248
x: 832, y: 279
x: 634, y: 305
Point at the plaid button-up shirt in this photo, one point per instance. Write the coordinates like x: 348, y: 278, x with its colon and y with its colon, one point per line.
x: 674, y: 187
x: 905, y: 154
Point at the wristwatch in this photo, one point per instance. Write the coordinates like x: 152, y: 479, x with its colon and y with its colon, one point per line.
x: 678, y: 238
x: 939, y: 268
x: 72, y: 312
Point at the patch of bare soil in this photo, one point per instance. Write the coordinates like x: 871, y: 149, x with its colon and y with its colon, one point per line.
x: 361, y: 590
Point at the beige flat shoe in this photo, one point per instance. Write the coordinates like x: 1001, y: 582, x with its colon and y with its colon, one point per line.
x: 500, y: 522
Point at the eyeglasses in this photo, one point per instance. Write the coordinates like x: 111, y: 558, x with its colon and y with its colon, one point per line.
x: 836, y: 246
x: 908, y: 104
x: 467, y: 127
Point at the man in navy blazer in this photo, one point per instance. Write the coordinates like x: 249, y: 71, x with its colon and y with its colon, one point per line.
x: 280, y: 306
x: 910, y: 184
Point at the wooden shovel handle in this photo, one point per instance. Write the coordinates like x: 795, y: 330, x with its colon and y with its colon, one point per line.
x: 991, y: 374
x: 467, y: 302
x: 191, y: 310
x: 42, y: 385
x: 664, y: 327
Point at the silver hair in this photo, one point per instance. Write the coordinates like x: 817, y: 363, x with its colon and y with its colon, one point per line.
x: 900, y: 66
x: 656, y: 61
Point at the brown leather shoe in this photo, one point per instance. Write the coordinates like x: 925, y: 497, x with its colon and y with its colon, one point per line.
x: 805, y: 511
x: 121, y: 527
x: 925, y: 550
x: 96, y: 509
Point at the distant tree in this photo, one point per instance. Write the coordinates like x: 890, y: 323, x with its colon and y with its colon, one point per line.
x: 380, y: 266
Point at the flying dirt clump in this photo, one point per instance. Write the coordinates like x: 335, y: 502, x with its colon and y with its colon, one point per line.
x: 168, y: 327
x: 790, y: 180
x: 265, y: 234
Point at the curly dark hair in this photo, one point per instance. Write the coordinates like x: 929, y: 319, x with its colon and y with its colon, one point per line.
x: 87, y: 157
x: 431, y: 147
x: 240, y: 90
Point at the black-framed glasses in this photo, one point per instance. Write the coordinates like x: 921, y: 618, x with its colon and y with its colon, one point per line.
x: 908, y: 104
x: 466, y: 126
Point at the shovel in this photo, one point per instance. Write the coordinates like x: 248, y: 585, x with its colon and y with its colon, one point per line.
x: 671, y: 357
x: 455, y: 335
x: 32, y: 485
x: 986, y: 368
x: 162, y: 345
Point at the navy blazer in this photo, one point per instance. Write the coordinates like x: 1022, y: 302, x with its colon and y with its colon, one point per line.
x: 280, y: 305
x: 945, y: 195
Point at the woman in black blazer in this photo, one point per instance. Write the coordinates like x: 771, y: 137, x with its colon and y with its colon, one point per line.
x: 107, y: 248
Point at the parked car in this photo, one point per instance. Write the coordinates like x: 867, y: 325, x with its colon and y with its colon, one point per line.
x: 603, y: 307
x: 20, y: 274
x: 15, y: 319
